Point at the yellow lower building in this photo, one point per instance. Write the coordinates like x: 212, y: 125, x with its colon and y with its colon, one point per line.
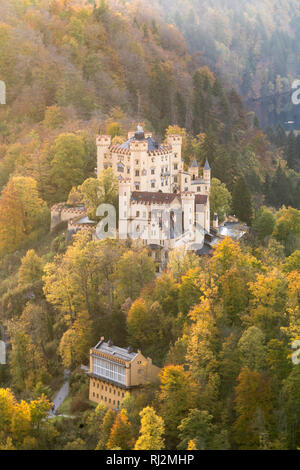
x: 115, y: 371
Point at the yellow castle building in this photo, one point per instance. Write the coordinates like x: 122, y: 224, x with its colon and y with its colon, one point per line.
x: 115, y: 371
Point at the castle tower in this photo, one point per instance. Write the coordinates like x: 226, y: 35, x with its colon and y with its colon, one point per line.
x: 194, y: 170
x: 206, y: 177
x: 175, y: 141
x: 103, y: 142
x: 206, y: 172
x: 139, y: 157
x: 124, y: 207
x: 188, y: 208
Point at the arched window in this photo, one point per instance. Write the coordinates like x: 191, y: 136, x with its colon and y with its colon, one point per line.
x: 120, y: 167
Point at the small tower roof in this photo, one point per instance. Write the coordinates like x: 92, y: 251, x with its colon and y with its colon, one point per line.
x: 194, y: 163
x: 206, y: 165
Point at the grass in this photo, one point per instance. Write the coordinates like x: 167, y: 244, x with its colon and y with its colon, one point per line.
x: 65, y: 406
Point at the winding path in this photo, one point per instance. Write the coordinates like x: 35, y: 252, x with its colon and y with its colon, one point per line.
x: 61, y: 395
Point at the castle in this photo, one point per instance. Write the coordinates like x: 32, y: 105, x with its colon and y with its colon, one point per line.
x: 160, y: 203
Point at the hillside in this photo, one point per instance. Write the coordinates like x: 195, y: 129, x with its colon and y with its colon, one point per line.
x: 73, y: 69
x: 220, y: 326
x: 251, y: 45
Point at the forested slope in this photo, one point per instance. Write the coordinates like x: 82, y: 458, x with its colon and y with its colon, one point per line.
x: 221, y: 327
x: 251, y: 45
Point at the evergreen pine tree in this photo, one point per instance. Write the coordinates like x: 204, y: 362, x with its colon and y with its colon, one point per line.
x: 242, y: 201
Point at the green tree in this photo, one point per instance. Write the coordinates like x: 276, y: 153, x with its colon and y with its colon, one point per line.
x: 292, y: 263
x: 23, y: 214
x: 242, y: 201
x: 135, y: 269
x: 220, y: 199
x: 75, y: 342
x: 176, y: 397
x: 67, y: 163
x: 53, y: 117
x: 254, y: 402
x: 252, y: 348
x: 287, y: 229
x: 291, y: 406
x: 197, y: 427
x: 264, y: 223
x: 105, y: 429
x: 101, y: 190
x: 31, y: 269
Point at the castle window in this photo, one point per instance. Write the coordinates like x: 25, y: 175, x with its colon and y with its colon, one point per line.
x: 185, y: 180
x: 198, y: 189
x: 93, y: 394
x: 152, y: 183
x: 144, y: 172
x: 137, y: 185
x: 128, y: 170
x: 120, y: 167
x: 98, y: 395
x: 175, y: 179
x: 152, y: 171
x: 137, y: 172
x: 137, y: 213
x: 175, y: 166
x: 136, y: 162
